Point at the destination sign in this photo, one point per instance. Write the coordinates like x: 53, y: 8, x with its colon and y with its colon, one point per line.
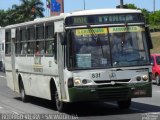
x: 104, y: 19
x: 88, y: 31
x: 126, y: 29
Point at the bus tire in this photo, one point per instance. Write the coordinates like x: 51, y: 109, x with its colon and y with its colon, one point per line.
x: 61, y: 106
x: 24, y: 97
x: 124, y: 104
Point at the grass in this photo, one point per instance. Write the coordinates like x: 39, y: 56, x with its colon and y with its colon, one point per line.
x: 156, y: 42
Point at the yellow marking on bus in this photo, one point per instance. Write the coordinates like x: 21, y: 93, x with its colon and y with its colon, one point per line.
x: 126, y: 29
x: 89, y: 31
x: 37, y: 66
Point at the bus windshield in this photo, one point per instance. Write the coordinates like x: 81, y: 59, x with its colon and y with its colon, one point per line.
x: 107, y: 47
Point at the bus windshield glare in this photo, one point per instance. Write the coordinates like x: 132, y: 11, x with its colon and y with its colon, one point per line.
x: 108, y: 47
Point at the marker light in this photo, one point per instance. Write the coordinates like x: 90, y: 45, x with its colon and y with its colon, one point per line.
x: 138, y: 78
x: 84, y: 81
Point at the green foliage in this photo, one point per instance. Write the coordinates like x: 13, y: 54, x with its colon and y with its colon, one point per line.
x: 28, y: 10
x: 154, y: 19
x: 144, y: 11
x: 156, y: 42
x: 131, y: 6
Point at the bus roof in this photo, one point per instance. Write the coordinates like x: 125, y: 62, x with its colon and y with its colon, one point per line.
x: 75, y: 13
x: 103, y: 11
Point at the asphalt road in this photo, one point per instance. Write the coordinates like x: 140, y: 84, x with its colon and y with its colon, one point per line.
x: 141, y: 108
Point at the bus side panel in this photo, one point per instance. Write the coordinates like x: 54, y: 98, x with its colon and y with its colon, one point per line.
x: 9, y: 75
x: 36, y: 77
x: 40, y: 86
x: 10, y: 82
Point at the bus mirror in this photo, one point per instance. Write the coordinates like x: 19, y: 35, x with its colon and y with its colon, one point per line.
x: 63, y: 39
x: 148, y: 38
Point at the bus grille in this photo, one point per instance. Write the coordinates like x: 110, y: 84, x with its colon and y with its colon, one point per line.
x: 113, y: 94
x: 108, y: 81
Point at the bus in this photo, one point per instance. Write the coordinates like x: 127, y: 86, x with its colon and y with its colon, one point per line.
x: 80, y: 56
x: 2, y: 49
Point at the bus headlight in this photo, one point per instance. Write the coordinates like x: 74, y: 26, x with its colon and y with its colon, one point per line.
x: 145, y: 77
x: 77, y: 81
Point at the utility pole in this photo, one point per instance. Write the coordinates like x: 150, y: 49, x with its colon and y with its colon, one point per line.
x: 154, y: 3
x: 84, y: 2
x: 121, y: 3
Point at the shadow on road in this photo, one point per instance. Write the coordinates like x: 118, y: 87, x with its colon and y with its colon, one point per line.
x: 95, y: 108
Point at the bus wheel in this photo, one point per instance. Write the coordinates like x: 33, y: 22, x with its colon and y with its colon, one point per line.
x: 24, y: 97
x: 157, y: 79
x: 124, y: 104
x: 61, y: 106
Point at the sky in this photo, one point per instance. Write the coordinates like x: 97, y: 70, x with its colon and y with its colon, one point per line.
x: 73, y: 5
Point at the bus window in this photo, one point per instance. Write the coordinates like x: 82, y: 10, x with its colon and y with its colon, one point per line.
x: 23, y: 48
x: 8, y: 36
x: 31, y: 48
x: 40, y: 32
x: 22, y: 34
x: 18, y: 50
x: 40, y: 47
x: 8, y: 48
x: 8, y: 41
x: 49, y: 47
x: 49, y: 30
x: 31, y: 33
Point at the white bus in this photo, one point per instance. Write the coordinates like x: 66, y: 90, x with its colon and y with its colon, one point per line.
x: 2, y: 48
x: 91, y: 55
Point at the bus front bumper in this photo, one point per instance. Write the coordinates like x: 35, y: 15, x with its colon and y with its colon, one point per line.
x: 110, y: 92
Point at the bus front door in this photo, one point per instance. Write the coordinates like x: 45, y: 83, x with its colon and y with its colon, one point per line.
x: 60, y: 61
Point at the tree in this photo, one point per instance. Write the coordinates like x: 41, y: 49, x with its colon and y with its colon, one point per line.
x: 154, y: 19
x: 131, y: 6
x: 145, y: 12
x: 2, y: 17
x: 28, y: 10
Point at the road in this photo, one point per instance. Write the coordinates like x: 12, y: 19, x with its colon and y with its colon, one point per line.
x: 10, y: 103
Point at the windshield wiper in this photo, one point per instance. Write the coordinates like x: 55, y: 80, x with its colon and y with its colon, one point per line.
x: 92, y: 32
x: 95, y: 37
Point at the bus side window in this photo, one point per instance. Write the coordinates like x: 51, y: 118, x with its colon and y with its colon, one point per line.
x: 39, y: 40
x: 49, y: 47
x: 31, y: 48
x: 49, y: 43
x: 8, y: 42
x: 23, y: 43
x: 39, y: 47
x: 24, y: 49
x: 31, y: 40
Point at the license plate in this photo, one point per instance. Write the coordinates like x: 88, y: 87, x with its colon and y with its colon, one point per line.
x: 139, y: 92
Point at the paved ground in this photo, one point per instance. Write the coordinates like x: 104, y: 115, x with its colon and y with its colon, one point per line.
x: 141, y: 109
